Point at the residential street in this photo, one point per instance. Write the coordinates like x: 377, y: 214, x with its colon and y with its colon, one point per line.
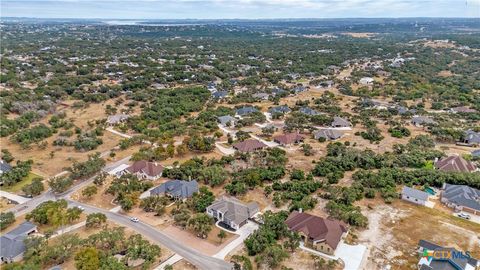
x: 200, y: 260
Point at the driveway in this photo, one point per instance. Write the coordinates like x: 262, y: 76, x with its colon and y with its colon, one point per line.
x: 242, y: 233
x: 224, y: 150
x: 351, y: 256
x: 268, y: 143
x: 14, y: 197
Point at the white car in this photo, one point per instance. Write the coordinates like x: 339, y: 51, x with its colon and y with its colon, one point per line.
x: 134, y: 219
x: 81, y: 208
x: 463, y: 215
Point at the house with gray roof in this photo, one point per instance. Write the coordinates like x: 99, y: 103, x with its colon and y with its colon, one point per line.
x: 117, y: 119
x: 12, y: 244
x: 299, y: 89
x: 416, y: 196
x: 262, y: 95
x: 279, y: 110
x: 246, y: 110
x: 476, y: 153
x: 219, y: 94
x: 340, y: 122
x: 232, y: 212
x: 419, y: 120
x: 328, y: 134
x: 308, y: 111
x: 176, y: 189
x: 227, y: 120
x: 462, y: 198
x: 4, y: 167
x: 471, y: 138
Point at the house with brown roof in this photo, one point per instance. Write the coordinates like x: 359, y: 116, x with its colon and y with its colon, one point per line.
x: 289, y: 138
x: 249, y: 145
x: 319, y: 233
x: 145, y: 170
x: 455, y: 164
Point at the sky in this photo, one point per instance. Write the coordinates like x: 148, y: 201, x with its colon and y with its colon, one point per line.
x: 237, y: 9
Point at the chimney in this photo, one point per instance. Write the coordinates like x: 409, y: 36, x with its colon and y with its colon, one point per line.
x: 156, y: 164
x: 300, y: 210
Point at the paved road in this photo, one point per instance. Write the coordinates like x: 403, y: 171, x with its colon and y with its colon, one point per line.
x: 198, y: 259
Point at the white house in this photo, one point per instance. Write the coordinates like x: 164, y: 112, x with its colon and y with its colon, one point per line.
x: 366, y: 81
x: 416, y: 196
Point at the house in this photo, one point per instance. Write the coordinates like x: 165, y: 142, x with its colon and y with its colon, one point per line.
x: 146, y: 170
x: 212, y: 87
x: 117, y: 119
x: 232, y: 212
x: 416, y: 196
x: 4, y: 167
x: 299, y: 89
x: 219, y: 94
x: 462, y: 109
x: 279, y: 110
x: 227, y: 120
x: 278, y: 92
x: 340, y: 122
x: 12, y: 244
x: 118, y: 170
x: 326, y: 84
x: 289, y: 138
x: 461, y: 198
x: 471, y: 138
x: 455, y: 164
x: 176, y: 189
x: 318, y: 233
x: 263, y: 96
x: 249, y: 145
x: 422, y: 121
x: 328, y: 134
x: 366, y: 81
x: 476, y: 153
x: 308, y: 111
x: 404, y: 110
x: 246, y: 110
x: 435, y: 257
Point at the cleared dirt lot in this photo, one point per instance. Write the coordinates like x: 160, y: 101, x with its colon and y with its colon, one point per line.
x: 394, y: 231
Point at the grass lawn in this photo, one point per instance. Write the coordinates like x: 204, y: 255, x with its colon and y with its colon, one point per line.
x: 18, y: 186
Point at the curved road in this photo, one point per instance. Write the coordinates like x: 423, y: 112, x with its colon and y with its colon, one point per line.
x: 193, y: 256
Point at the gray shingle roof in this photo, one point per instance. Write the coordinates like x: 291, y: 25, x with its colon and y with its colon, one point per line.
x: 4, y: 167
x: 340, y: 122
x: 226, y: 119
x: 452, y: 263
x: 115, y: 119
x: 308, y: 111
x: 472, y: 136
x: 462, y: 195
x: 176, y: 188
x: 246, y: 110
x: 329, y: 134
x: 234, y: 210
x: 279, y: 109
x: 11, y: 244
x: 415, y: 193
x: 423, y: 120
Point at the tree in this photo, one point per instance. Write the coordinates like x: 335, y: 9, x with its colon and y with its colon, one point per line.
x: 89, y: 191
x: 7, y: 156
x: 139, y: 248
x: 201, y: 223
x: 293, y: 241
x: 111, y: 263
x: 154, y: 204
x: 87, y: 259
x: 201, y: 199
x: 213, y: 175
x: 307, y: 149
x: 60, y: 184
x: 181, y: 217
x: 222, y: 235
x: 272, y: 256
x: 94, y: 220
x: 35, y: 188
x: 100, y: 178
x: 6, y: 219
x: 88, y: 168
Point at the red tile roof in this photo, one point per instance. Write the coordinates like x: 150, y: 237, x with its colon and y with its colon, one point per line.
x: 455, y: 164
x: 289, y: 138
x: 152, y: 169
x: 317, y: 228
x: 249, y: 145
